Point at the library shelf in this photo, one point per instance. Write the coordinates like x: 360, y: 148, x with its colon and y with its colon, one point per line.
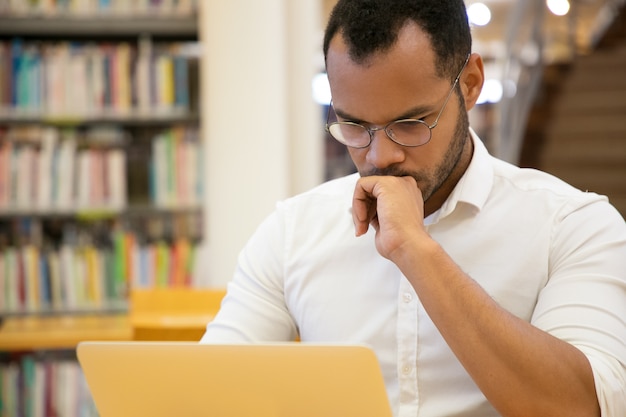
x: 179, y: 314
x: 95, y: 214
x: 98, y: 26
x: 139, y: 110
x: 131, y: 120
x: 28, y: 333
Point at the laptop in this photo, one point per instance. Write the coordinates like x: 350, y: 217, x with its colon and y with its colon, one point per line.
x: 165, y: 379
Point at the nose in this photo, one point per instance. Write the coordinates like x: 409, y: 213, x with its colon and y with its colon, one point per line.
x: 383, y: 152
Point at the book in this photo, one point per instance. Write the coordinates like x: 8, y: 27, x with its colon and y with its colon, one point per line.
x: 164, y: 81
x: 45, y: 174
x: 120, y: 254
x: 39, y: 390
x: 32, y: 288
x: 24, y: 176
x: 65, y: 170
x: 95, y: 80
x: 12, y: 296
x: 68, y: 276
x: 28, y: 378
x: 116, y: 178
x: 45, y: 290
x: 142, y: 75
x: 11, y: 387
x: 6, y: 171
x: 94, y: 290
x: 181, y: 83
x: 56, y: 283
x: 85, y: 181
x: 160, y: 170
x: 122, y: 70
x: 56, y: 58
x: 6, y: 77
x: 75, y: 99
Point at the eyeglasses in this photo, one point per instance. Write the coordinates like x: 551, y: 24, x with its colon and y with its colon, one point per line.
x: 405, y: 132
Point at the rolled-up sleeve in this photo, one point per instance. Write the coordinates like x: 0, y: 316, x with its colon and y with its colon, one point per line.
x: 584, y: 301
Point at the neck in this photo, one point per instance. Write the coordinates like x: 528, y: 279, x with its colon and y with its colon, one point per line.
x: 436, y: 200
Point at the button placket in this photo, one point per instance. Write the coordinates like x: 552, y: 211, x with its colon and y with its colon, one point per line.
x: 407, y: 347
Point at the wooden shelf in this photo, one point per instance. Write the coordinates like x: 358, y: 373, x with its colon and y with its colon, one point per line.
x: 161, y: 314
x: 132, y: 119
x: 61, y: 332
x: 131, y: 211
x: 100, y: 26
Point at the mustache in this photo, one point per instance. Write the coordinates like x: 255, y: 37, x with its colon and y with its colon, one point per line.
x: 390, y: 172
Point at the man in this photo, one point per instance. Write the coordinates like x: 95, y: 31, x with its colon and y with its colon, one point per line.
x: 484, y: 289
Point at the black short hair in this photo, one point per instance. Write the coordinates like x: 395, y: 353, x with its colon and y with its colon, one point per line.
x: 370, y: 26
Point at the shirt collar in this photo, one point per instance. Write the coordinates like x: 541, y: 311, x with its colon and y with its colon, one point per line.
x: 474, y: 186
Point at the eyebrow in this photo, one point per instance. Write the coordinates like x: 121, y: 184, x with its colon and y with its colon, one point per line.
x: 412, y: 113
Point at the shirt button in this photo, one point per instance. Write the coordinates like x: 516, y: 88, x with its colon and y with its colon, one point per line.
x: 406, y: 369
x: 407, y: 297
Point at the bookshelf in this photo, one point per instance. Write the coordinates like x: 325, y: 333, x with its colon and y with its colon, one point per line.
x: 101, y: 181
x: 100, y: 152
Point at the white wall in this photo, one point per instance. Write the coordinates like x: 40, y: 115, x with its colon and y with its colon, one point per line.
x: 261, y: 129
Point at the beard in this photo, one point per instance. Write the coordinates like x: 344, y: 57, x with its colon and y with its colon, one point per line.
x: 430, y: 182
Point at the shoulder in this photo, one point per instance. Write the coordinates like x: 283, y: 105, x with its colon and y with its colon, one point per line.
x: 336, y: 191
x: 530, y: 187
x: 530, y: 180
x: 319, y: 210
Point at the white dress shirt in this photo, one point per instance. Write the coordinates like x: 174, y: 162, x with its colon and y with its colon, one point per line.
x: 548, y: 253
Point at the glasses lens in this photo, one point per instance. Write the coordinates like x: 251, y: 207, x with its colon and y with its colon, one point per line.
x: 350, y: 134
x: 409, y: 132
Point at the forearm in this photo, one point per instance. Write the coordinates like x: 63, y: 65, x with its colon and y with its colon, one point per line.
x: 522, y: 370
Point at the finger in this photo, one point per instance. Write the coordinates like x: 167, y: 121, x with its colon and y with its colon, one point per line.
x: 363, y: 207
x: 363, y: 211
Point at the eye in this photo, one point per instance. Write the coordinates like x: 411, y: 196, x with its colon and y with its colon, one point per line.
x: 405, y: 126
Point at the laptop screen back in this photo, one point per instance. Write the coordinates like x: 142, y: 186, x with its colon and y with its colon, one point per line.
x: 164, y: 379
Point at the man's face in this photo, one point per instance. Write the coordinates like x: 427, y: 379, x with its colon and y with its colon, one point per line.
x: 401, y: 83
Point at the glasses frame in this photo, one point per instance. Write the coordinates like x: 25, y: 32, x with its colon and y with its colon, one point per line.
x: 372, y: 130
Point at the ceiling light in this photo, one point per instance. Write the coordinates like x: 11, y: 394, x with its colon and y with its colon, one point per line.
x: 321, y: 89
x: 491, y: 93
x: 479, y: 14
x: 558, y: 7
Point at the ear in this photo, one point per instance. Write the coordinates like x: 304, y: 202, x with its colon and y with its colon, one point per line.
x: 472, y: 80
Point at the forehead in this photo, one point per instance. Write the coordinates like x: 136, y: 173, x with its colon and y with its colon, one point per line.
x: 387, y: 83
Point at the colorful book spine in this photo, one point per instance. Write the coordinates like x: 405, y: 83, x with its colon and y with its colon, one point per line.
x: 37, y: 172
x: 77, y: 80
x: 44, y: 386
x: 175, y: 176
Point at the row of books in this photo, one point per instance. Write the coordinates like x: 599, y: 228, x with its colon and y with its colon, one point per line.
x: 87, y: 277
x: 88, y: 7
x: 70, y: 279
x: 44, y: 169
x: 70, y: 79
x: 176, y: 168
x: 48, y: 170
x: 44, y: 387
